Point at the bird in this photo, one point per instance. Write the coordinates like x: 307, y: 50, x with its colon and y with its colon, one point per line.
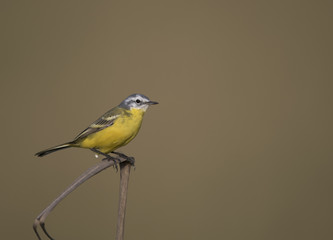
x: 114, y: 129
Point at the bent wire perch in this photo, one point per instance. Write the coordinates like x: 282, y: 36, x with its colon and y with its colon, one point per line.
x: 40, y: 220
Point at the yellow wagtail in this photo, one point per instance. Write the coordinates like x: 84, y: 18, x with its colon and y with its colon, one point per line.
x: 114, y: 129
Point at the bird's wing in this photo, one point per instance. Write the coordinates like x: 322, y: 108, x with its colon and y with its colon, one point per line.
x: 104, y: 121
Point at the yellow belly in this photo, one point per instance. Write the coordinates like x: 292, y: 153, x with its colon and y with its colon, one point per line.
x: 124, y: 129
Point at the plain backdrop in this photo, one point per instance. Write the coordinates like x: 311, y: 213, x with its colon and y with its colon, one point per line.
x: 240, y: 146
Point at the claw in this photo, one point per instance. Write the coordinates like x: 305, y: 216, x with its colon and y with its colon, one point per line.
x: 107, y: 158
x: 131, y: 160
x: 112, y: 159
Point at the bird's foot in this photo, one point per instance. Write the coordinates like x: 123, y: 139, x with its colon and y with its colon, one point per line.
x: 131, y: 160
x: 108, y: 158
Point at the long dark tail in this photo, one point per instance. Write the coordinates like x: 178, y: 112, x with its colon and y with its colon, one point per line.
x: 54, y: 149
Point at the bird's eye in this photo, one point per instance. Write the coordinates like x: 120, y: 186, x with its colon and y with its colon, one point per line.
x: 138, y: 101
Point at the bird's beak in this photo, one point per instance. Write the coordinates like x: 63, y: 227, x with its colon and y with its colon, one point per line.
x: 152, y: 103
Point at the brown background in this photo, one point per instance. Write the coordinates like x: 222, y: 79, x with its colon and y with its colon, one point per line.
x: 240, y: 146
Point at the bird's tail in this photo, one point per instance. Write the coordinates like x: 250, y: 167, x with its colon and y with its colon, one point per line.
x: 54, y: 149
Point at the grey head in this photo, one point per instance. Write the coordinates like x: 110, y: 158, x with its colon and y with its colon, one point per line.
x: 137, y: 101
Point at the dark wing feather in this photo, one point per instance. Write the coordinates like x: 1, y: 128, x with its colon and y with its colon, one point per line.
x: 104, y: 121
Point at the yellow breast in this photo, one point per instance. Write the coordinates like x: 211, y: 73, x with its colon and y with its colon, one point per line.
x: 124, y: 129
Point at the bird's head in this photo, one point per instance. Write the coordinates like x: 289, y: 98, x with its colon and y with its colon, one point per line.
x: 137, y: 101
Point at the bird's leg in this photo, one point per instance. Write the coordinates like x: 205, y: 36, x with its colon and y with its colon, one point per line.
x: 131, y: 160
x: 107, y: 157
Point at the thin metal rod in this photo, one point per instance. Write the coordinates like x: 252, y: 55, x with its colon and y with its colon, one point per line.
x: 125, y: 168
x: 40, y: 220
